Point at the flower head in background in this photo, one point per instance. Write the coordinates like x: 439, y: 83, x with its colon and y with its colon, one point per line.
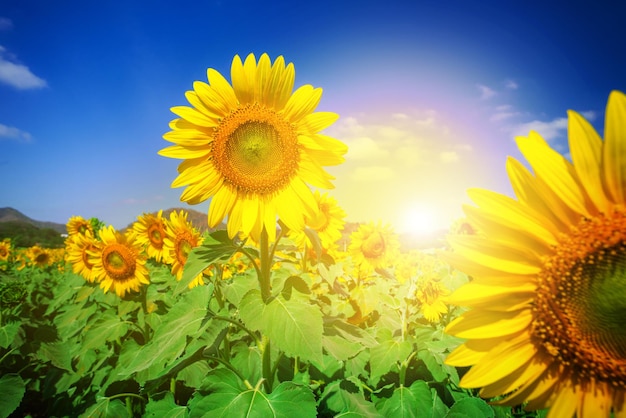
x: 78, y: 225
x: 150, y: 231
x: 78, y: 247
x: 253, y: 147
x: 119, y: 262
x: 548, y: 296
x: 180, y: 238
x: 373, y: 246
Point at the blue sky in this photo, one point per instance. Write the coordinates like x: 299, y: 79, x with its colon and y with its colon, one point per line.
x: 430, y: 94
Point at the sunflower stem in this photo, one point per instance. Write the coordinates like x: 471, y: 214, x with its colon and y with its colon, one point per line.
x: 266, y: 265
x: 268, y: 377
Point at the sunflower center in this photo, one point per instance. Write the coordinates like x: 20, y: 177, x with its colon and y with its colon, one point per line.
x: 581, y: 303
x: 119, y: 262
x: 374, y: 245
x: 155, y: 234
x: 3, y: 252
x: 183, y: 248
x: 41, y: 258
x: 256, y: 150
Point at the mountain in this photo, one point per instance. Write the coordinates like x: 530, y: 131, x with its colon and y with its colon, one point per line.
x: 13, y: 215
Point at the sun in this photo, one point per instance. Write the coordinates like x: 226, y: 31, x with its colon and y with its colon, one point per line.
x: 419, y: 220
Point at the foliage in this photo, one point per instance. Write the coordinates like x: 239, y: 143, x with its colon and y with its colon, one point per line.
x: 320, y: 340
x: 23, y: 234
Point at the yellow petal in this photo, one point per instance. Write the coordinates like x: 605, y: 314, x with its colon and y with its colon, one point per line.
x: 177, y: 151
x: 194, y: 116
x: 243, y: 83
x: 188, y: 137
x: 462, y: 356
x: 614, y: 153
x: 554, y: 170
x: 503, y: 360
x: 263, y: 74
x: 595, y: 401
x: 493, y: 255
x: 482, y: 273
x: 531, y: 372
x: 315, y: 122
x: 221, y: 205
x: 495, y: 298
x: 194, y: 174
x: 586, y: 148
x: 280, y: 85
x: 302, y: 102
x: 565, y: 403
x: 506, y: 211
x: 222, y: 87
x: 489, y: 324
x: 211, y: 100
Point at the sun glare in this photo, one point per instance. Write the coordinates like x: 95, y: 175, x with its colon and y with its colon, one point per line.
x: 420, y: 221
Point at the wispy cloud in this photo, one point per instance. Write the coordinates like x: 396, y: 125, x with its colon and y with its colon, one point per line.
x: 548, y: 130
x: 510, y: 85
x: 14, y: 134
x: 5, y: 23
x: 485, y: 92
x: 17, y: 75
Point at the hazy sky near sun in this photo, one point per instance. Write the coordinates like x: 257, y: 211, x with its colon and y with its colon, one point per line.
x: 430, y: 93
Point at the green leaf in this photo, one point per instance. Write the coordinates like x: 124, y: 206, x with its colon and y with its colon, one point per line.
x: 385, y: 357
x: 414, y: 401
x: 170, y: 338
x: 12, y: 388
x: 108, y: 327
x: 106, y: 408
x: 294, y: 326
x: 59, y: 354
x: 165, y: 408
x: 227, y: 399
x: 8, y: 333
x: 470, y: 408
x: 348, y: 404
x: 235, y: 290
x: 215, y: 247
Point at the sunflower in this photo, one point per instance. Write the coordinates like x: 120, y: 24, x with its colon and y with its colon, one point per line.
x: 38, y: 256
x: 119, y: 262
x: 431, y: 294
x: 548, y: 299
x: 253, y: 147
x: 180, y: 238
x: 328, y: 223
x: 150, y: 231
x: 77, y: 254
x: 5, y: 250
x: 373, y: 246
x: 78, y: 225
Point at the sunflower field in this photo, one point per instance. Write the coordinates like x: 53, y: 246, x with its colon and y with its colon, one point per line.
x: 279, y: 313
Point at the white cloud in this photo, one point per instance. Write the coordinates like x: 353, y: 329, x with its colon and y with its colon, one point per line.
x: 548, y: 130
x: 590, y: 115
x: 362, y: 148
x: 449, y: 156
x: 498, y: 116
x: 511, y: 85
x: 485, y: 92
x: 18, y: 75
x: 372, y: 173
x: 12, y: 133
x: 5, y: 23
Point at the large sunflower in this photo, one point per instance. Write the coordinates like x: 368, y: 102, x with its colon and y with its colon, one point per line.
x: 253, y: 147
x: 548, y: 298
x: 118, y: 262
x: 150, y: 231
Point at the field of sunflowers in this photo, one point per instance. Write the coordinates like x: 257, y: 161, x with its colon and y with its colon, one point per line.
x: 518, y: 314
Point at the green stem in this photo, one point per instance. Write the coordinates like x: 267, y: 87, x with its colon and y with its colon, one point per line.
x: 268, y: 377
x: 266, y: 265
x: 404, y: 366
x: 240, y: 325
x: 129, y: 406
x: 144, y: 306
x: 231, y: 368
x: 130, y: 395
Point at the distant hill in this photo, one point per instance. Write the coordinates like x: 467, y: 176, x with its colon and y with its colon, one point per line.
x: 14, y: 215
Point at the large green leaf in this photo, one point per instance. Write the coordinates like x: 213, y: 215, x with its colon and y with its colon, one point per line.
x: 415, y: 401
x: 170, y: 338
x: 228, y: 399
x: 293, y: 325
x: 215, y: 247
x: 12, y: 388
x: 59, y: 354
x: 108, y: 327
x: 470, y: 408
x: 8, y: 333
x: 385, y: 357
x: 347, y: 404
x: 106, y: 408
x: 165, y: 408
